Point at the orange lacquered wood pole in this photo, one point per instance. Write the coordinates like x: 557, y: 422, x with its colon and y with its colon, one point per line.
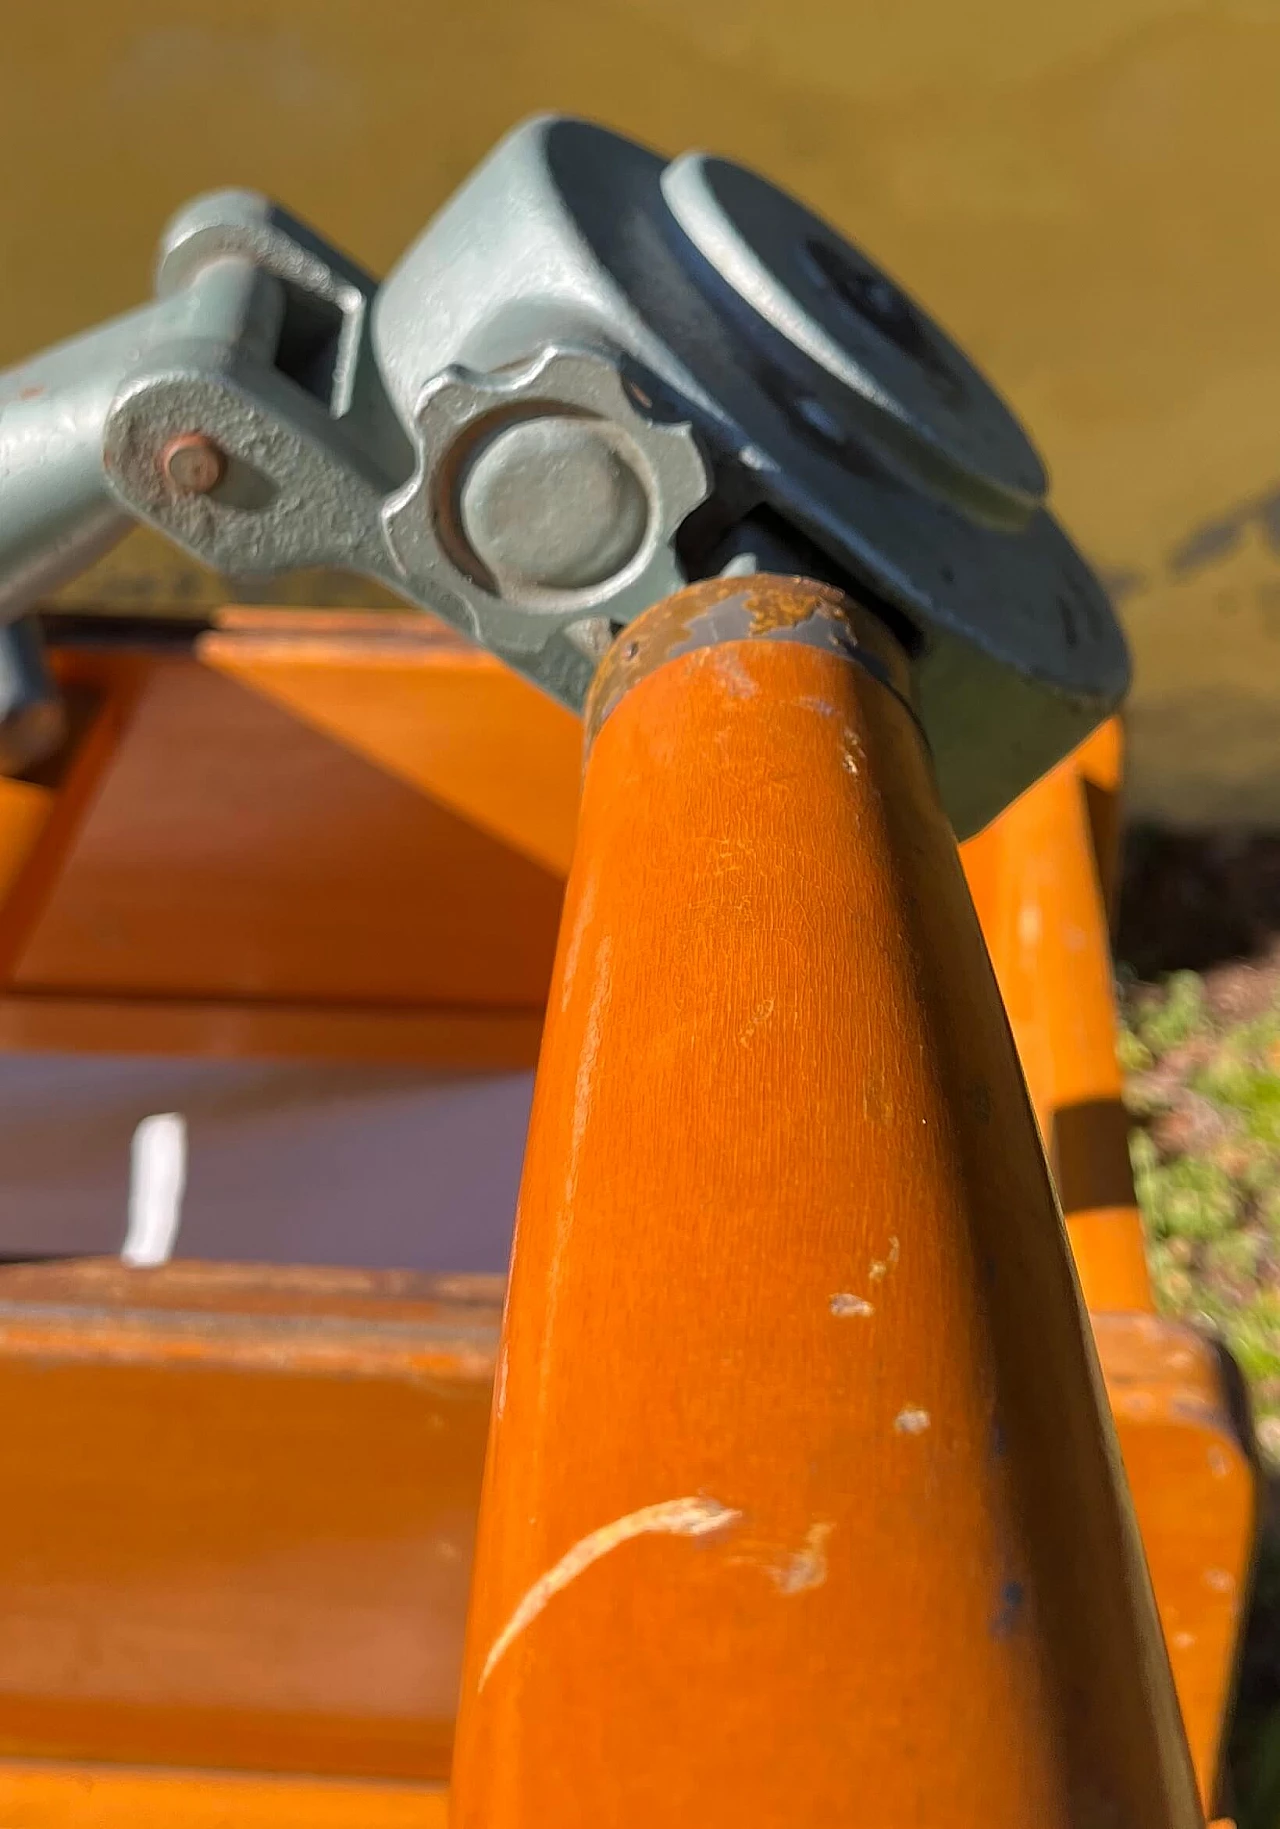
x: 1037, y: 878
x: 800, y: 1505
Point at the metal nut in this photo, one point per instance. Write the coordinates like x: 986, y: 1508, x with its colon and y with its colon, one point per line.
x: 544, y: 508
x: 192, y: 464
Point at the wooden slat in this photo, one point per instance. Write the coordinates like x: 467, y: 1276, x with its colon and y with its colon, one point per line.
x: 449, y: 1040
x: 430, y: 709
x: 45, y: 1796
x: 236, y: 1514
x: 1195, y: 1493
x: 235, y: 854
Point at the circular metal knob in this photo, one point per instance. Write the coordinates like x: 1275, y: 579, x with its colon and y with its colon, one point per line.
x: 552, y: 503
x: 544, y: 506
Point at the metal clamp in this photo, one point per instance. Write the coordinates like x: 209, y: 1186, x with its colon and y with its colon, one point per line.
x: 596, y: 376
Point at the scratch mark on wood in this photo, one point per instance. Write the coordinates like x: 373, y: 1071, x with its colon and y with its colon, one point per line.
x: 760, y: 1015
x: 880, y: 1267
x: 733, y: 674
x: 500, y: 1384
x: 584, y: 1083
x: 671, y: 1518
x: 586, y: 914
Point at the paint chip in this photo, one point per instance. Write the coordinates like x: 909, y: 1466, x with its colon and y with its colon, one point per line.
x: 843, y: 1303
x: 910, y: 1421
x: 733, y: 674
x: 808, y: 1567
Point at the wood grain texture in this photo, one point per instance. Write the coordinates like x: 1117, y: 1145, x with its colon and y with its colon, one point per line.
x: 800, y: 1505
x: 238, y: 1512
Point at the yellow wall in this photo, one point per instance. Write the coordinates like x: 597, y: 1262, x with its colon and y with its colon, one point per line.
x: 1085, y: 193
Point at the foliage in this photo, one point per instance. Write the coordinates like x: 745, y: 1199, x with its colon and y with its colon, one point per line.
x: 1204, y: 1088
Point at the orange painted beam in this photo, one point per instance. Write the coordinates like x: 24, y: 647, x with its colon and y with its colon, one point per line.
x: 250, y: 1492
x: 1195, y: 1492
x: 241, y: 882
x: 429, y: 708
x: 1039, y: 877
x: 138, y: 899
x: 45, y: 1796
x: 450, y: 1040
x: 800, y: 1503
x: 1037, y: 888
x: 1099, y: 762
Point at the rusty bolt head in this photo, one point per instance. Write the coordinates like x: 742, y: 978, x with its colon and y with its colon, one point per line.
x: 192, y: 464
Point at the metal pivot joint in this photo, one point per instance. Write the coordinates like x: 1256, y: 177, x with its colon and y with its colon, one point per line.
x: 596, y: 376
x: 730, y: 610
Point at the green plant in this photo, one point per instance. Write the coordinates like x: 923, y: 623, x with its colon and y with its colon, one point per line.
x: 1188, y: 1197
x: 1167, y: 1021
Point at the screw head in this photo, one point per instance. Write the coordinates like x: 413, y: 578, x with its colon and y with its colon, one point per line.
x: 552, y: 503
x: 192, y: 464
